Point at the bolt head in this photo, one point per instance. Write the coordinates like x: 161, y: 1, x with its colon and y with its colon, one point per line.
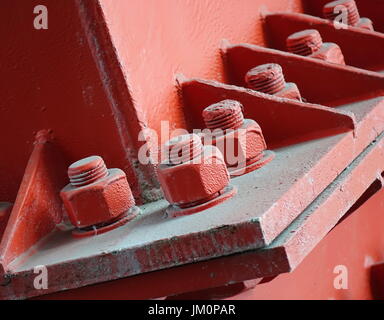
x: 195, y: 180
x: 98, y: 202
x: 330, y: 52
x: 290, y: 91
x: 238, y: 146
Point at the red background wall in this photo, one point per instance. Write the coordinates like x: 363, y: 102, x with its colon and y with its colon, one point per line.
x: 156, y: 39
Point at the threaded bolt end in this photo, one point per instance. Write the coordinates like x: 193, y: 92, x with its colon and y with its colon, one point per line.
x: 267, y: 78
x: 183, y: 148
x: 304, y: 42
x: 330, y: 11
x: 87, y: 171
x: 226, y: 114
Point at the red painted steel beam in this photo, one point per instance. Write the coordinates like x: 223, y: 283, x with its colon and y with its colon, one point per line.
x: 67, y: 79
x: 38, y: 207
x: 165, y: 45
x: 285, y: 254
x: 226, y: 240
x: 283, y: 121
x: 351, y: 249
x: 132, y: 249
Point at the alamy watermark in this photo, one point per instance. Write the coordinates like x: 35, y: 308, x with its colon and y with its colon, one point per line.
x: 340, y: 282
x: 40, y: 21
x: 341, y: 20
x: 40, y: 282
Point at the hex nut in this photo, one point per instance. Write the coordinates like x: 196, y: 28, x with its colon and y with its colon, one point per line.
x: 240, y: 145
x: 196, y: 180
x: 99, y: 202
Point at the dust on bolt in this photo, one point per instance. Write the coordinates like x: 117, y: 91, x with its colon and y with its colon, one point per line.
x: 269, y: 78
x: 193, y: 177
x: 240, y: 140
x: 97, y: 199
x: 310, y: 43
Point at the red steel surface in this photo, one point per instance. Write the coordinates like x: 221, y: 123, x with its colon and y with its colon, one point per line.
x: 32, y: 220
x: 351, y: 244
x: 125, y: 258
x: 105, y: 70
x: 355, y: 243
x: 179, y: 37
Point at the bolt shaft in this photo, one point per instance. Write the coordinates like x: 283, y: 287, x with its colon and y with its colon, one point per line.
x: 87, y: 171
x: 330, y: 11
x: 267, y: 78
x: 183, y: 148
x: 226, y: 114
x: 305, y: 42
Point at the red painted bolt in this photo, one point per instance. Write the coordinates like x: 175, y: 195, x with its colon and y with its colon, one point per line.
x: 309, y: 43
x: 269, y: 78
x: 86, y: 171
x: 224, y: 115
x: 304, y: 42
x: 240, y: 140
x: 330, y: 12
x: 97, y: 199
x: 194, y: 177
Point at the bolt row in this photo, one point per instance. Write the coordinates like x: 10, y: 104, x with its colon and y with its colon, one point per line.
x: 197, y: 170
x: 310, y: 43
x: 195, y: 175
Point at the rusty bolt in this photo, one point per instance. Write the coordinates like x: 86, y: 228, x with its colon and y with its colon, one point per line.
x: 309, y: 43
x: 269, y: 78
x: 96, y: 196
x: 330, y: 12
x: 192, y: 174
x: 240, y: 140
